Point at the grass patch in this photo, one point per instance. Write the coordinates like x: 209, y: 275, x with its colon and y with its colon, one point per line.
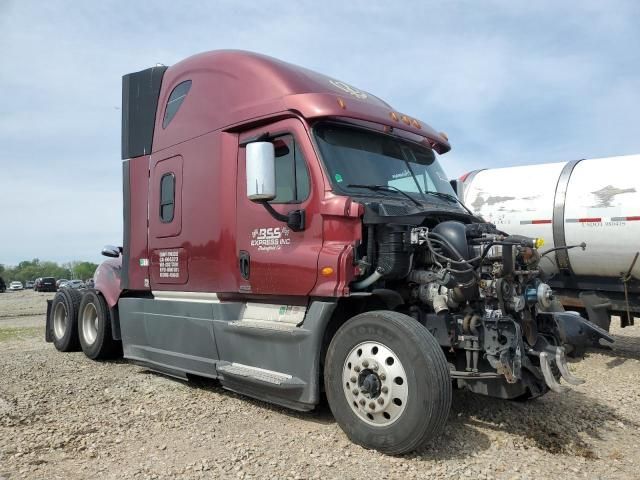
x: 18, y: 333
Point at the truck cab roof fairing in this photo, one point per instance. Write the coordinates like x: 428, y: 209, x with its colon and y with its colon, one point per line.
x: 230, y: 88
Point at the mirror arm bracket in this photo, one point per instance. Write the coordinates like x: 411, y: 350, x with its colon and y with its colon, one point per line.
x: 295, y: 219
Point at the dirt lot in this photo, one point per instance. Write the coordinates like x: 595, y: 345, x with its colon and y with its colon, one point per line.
x: 65, y: 416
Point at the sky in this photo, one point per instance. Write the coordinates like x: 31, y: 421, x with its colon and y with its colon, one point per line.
x: 510, y: 82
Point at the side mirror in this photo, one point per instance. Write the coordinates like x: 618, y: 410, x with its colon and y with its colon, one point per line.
x: 261, y: 171
x: 110, y: 251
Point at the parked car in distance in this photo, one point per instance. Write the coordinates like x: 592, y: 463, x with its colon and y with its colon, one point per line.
x: 60, y: 281
x: 73, y: 284
x: 15, y: 286
x: 29, y: 284
x: 45, y: 284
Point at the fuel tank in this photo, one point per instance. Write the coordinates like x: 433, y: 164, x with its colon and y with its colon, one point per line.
x: 596, y: 201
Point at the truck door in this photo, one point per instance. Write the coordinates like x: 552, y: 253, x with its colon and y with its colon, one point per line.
x: 168, y: 262
x: 272, y: 259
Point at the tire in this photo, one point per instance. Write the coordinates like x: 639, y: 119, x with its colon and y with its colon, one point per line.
x: 64, y: 321
x: 94, y: 328
x: 384, y: 349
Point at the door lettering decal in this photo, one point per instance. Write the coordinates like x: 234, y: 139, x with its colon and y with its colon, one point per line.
x: 268, y: 239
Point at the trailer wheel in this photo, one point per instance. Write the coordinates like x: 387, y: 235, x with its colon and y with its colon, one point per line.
x: 94, y: 327
x: 64, y: 320
x: 387, y: 382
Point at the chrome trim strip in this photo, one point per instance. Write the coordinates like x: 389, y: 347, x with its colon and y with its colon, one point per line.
x: 197, y: 297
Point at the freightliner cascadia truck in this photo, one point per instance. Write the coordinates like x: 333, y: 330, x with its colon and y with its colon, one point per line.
x: 293, y: 236
x: 595, y: 202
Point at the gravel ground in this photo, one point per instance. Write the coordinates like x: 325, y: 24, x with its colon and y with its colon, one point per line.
x: 65, y: 416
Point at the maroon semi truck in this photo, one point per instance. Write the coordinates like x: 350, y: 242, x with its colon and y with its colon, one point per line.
x: 292, y: 236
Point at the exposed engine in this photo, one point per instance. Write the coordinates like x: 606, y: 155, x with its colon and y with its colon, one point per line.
x: 478, y: 291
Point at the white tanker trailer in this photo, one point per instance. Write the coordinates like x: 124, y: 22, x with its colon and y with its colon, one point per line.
x: 595, y: 202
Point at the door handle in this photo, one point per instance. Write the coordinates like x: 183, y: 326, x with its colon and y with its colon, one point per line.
x: 245, y: 263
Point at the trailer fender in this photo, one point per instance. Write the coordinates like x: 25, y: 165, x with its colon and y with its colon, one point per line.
x: 107, y: 280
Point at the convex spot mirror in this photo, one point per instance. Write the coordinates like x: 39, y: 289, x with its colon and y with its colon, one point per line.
x: 261, y: 171
x: 111, y: 251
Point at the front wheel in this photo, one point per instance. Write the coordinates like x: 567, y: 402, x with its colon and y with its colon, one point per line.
x: 387, y: 382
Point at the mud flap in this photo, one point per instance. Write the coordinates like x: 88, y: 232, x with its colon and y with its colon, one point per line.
x: 597, y: 308
x: 47, y: 327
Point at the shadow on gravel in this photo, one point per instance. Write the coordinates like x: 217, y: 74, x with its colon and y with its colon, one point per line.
x: 321, y: 414
x: 557, y: 425
x: 624, y: 347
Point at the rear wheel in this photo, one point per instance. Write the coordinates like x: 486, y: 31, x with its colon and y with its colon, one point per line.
x: 387, y: 382
x: 94, y: 327
x: 64, y: 321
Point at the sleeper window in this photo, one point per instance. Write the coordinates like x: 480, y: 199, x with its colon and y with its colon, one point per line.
x: 167, y: 197
x: 175, y: 100
x: 292, y: 176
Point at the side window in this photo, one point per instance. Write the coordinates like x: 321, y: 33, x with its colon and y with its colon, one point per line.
x: 167, y: 197
x: 292, y: 176
x: 175, y: 100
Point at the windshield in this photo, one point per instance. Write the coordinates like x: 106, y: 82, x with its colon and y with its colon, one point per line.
x: 360, y: 157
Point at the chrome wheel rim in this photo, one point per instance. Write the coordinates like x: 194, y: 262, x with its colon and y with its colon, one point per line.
x: 60, y: 319
x: 89, y: 324
x: 374, y: 382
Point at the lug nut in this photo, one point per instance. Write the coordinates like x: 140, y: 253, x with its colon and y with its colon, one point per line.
x: 362, y: 401
x: 380, y: 400
x: 357, y: 368
x: 365, y: 364
x: 383, y: 376
x: 355, y: 391
x: 372, y: 405
x: 353, y: 379
x: 385, y: 389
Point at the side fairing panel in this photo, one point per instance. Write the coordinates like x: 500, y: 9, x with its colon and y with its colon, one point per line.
x: 254, y: 349
x: 174, y: 335
x: 136, y: 186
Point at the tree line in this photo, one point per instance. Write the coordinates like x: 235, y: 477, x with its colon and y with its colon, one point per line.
x: 32, y: 269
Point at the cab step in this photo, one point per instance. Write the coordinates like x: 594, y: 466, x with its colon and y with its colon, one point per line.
x: 259, y: 374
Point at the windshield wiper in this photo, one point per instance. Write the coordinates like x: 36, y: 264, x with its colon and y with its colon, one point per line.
x: 386, y: 188
x: 448, y: 196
